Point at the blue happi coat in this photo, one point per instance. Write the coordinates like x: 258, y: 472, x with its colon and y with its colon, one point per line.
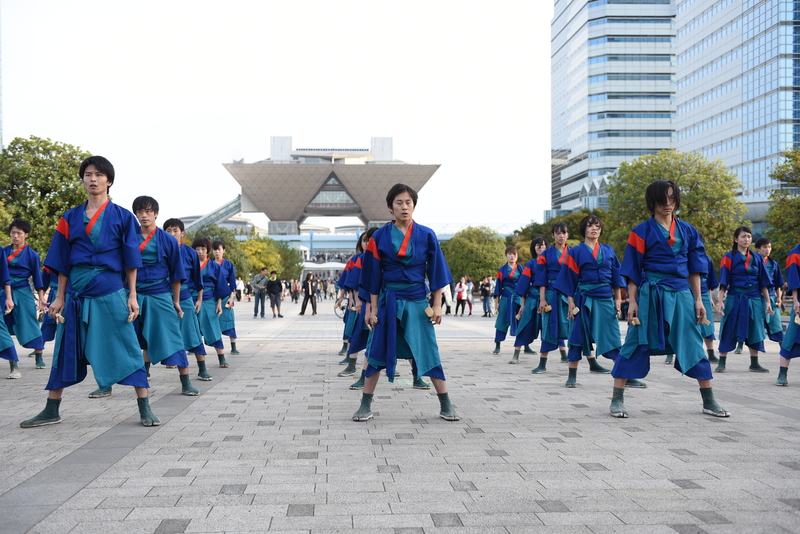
x: 790, y: 347
x: 745, y: 309
x: 530, y: 321
x: 555, y: 323
x: 23, y: 264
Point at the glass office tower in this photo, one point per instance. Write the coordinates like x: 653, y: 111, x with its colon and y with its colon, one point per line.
x: 739, y: 87
x: 613, y: 91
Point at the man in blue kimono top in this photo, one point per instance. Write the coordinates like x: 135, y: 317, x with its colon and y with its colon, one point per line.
x: 227, y: 321
x: 7, y: 349
x: 399, y: 256
x: 772, y: 323
x: 94, y: 248
x: 190, y: 325
x: 507, y: 302
x: 664, y: 261
x: 24, y: 264
x: 590, y: 280
x: 214, y: 289
x: 790, y: 348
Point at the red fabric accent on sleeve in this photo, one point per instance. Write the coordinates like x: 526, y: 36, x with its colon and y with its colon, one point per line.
x: 63, y: 228
x: 793, y: 259
x: 570, y: 262
x: 357, y: 263
x: 372, y: 247
x: 542, y: 260
x: 636, y: 242
x: 725, y: 263
x: 527, y: 272
x: 499, y: 275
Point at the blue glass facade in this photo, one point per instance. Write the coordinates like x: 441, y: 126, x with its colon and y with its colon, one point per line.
x: 613, y: 91
x: 739, y: 86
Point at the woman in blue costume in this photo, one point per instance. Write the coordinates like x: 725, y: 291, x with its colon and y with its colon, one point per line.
x: 7, y: 349
x: 744, y: 288
x: 227, y: 321
x: 529, y: 322
x: 399, y: 257
x: 94, y: 249
x: 664, y: 261
x: 772, y: 323
x: 190, y: 324
x: 215, y: 288
x: 507, y: 302
x: 22, y: 322
x: 344, y: 292
x: 590, y: 280
x: 790, y: 348
x: 555, y: 321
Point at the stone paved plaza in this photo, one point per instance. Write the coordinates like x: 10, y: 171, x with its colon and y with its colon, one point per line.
x: 269, y: 445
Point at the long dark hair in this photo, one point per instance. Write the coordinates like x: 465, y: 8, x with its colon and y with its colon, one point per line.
x: 535, y: 243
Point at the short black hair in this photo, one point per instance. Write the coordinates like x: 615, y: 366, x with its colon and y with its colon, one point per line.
x: 560, y: 227
x: 760, y: 242
x: 590, y: 219
x: 535, y: 243
x: 273, y: 272
x: 202, y: 242
x: 21, y: 224
x: 399, y: 189
x: 656, y: 194
x: 101, y: 164
x: 145, y: 203
x: 218, y: 244
x: 174, y: 222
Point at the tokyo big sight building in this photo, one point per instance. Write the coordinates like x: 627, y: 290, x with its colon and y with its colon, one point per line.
x: 631, y: 77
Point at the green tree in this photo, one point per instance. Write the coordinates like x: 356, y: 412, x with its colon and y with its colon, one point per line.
x: 475, y: 251
x: 262, y: 252
x: 39, y: 181
x: 522, y: 238
x: 233, y: 248
x: 783, y: 215
x: 708, y: 197
x: 291, y: 261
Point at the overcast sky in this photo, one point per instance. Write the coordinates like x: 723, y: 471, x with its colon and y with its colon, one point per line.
x: 170, y: 90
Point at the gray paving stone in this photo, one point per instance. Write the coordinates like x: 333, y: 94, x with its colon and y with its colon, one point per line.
x: 172, y: 526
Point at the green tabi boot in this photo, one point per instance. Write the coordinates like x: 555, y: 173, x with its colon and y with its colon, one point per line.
x: 446, y: 410
x: 358, y: 384
x: 419, y: 383
x: 633, y: 383
x: 203, y: 373
x: 222, y: 361
x: 721, y: 366
x: 350, y: 370
x: 233, y: 349
x: 711, y: 356
x: 14, y: 372
x: 710, y: 405
x: 40, y: 361
x: 515, y: 357
x: 755, y: 367
x: 147, y: 368
x: 187, y: 388
x: 595, y: 367
x: 542, y: 366
x: 782, y: 380
x: 739, y: 347
x: 99, y: 393
x: 48, y: 416
x: 364, y: 412
x: 32, y: 354
x: 618, y: 403
x: 146, y: 414
x: 529, y: 350
x: 343, y: 352
x: 496, y: 348
x: 572, y: 381
x: 668, y: 359
x: 563, y: 355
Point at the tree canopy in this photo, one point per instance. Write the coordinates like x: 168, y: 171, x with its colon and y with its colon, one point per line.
x: 783, y: 215
x: 39, y: 181
x: 708, y: 197
x: 233, y: 248
x: 476, y: 251
x: 522, y: 237
x: 291, y: 261
x: 274, y: 255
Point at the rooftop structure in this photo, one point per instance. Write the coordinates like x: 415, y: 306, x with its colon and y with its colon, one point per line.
x: 294, y: 184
